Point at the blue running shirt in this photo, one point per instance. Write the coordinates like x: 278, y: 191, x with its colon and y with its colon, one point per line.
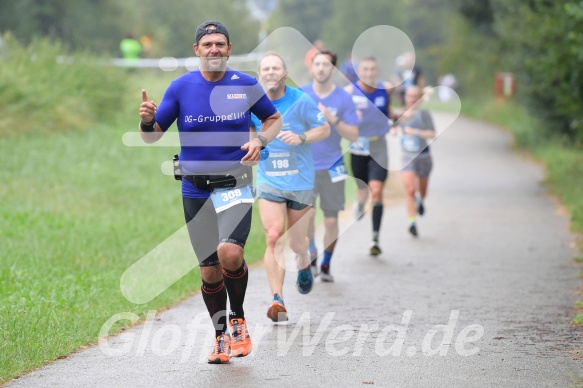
x: 328, y: 151
x: 213, y: 120
x: 289, y: 167
x: 375, y: 110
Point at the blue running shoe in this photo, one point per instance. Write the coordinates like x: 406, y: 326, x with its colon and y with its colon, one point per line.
x: 305, y: 280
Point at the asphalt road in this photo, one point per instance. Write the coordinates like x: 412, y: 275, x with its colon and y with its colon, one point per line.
x: 482, y: 298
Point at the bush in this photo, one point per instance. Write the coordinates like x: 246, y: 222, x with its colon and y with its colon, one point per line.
x: 38, y: 93
x: 545, y: 45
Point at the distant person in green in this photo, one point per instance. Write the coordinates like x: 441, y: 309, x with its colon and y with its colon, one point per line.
x: 130, y: 47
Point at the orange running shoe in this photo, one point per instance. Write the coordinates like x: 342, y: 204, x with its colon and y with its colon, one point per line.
x: 277, y: 311
x: 241, y: 344
x: 222, y: 351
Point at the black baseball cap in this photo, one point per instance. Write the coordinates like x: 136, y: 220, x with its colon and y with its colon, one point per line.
x: 202, y: 30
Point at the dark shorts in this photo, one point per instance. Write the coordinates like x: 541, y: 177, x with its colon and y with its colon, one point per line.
x: 419, y: 164
x: 295, y: 200
x: 373, y: 167
x: 331, y: 194
x: 207, y: 229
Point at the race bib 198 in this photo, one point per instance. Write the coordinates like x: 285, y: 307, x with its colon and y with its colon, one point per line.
x: 281, y: 163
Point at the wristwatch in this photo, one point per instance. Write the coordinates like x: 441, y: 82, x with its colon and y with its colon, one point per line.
x: 263, y: 141
x: 302, y: 137
x: 148, y: 127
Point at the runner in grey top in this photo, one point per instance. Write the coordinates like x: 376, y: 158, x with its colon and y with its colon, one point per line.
x: 417, y: 128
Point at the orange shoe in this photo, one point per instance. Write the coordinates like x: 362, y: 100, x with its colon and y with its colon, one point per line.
x: 277, y: 311
x: 222, y: 351
x: 241, y: 344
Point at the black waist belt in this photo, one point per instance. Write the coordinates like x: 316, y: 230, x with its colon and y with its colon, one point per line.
x: 240, y: 177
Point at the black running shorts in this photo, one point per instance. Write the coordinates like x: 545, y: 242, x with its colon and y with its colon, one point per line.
x: 207, y: 229
x: 373, y: 167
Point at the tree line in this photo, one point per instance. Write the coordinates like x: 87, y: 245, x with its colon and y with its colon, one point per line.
x: 99, y: 25
x: 541, y: 41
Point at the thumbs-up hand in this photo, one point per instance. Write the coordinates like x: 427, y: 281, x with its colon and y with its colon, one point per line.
x: 147, y: 108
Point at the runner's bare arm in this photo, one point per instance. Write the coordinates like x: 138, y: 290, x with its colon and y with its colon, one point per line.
x: 312, y: 135
x: 147, y: 112
x: 347, y: 131
x: 270, y: 127
x: 317, y: 133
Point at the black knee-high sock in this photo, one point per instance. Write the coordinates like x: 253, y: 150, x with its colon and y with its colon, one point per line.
x: 377, y: 215
x: 236, y: 284
x: 215, y: 299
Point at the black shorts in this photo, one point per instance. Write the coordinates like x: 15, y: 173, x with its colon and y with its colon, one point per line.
x: 207, y: 229
x: 331, y: 194
x: 373, y: 167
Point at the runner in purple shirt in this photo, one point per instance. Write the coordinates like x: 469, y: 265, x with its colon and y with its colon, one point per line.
x: 212, y: 108
x: 340, y: 112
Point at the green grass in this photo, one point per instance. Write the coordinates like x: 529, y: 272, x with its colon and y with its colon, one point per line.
x: 37, y: 94
x: 578, y: 319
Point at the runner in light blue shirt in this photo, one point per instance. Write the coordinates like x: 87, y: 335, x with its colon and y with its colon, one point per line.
x: 285, y: 180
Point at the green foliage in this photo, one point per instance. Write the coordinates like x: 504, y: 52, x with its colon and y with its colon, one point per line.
x: 339, y: 23
x: 305, y: 16
x: 77, y: 24
x: 99, y: 25
x: 479, y: 13
x: 545, y: 39
x: 471, y: 56
x: 344, y: 26
x: 427, y: 24
x: 172, y: 24
x: 38, y: 93
x: 540, y: 41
